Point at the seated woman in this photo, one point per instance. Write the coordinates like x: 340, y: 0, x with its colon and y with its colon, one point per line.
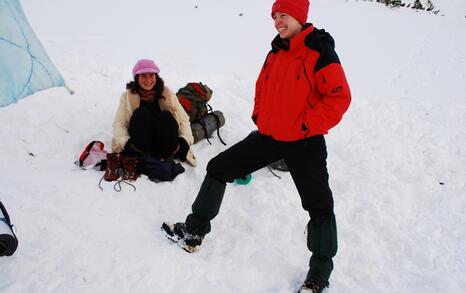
x: 150, y: 120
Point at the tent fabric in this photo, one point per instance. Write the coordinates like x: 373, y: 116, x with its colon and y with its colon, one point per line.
x: 24, y: 65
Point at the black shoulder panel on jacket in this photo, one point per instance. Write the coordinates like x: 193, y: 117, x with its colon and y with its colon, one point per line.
x: 279, y: 44
x: 322, y: 42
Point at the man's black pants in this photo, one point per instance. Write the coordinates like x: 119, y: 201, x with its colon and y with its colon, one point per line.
x: 306, y: 160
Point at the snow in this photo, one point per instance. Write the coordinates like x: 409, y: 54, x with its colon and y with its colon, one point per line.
x: 397, y: 161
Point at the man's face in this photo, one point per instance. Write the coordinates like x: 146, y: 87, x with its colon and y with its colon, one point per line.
x: 286, y: 25
x: 147, y: 81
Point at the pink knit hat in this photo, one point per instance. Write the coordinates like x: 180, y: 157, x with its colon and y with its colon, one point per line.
x: 145, y: 66
x: 296, y: 8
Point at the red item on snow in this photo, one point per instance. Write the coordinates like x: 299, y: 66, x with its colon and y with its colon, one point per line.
x: 93, y: 154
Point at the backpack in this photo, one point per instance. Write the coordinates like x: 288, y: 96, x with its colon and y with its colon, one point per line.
x: 194, y: 97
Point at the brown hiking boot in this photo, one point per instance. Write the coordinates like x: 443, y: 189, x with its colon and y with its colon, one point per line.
x: 129, y: 168
x: 112, y: 172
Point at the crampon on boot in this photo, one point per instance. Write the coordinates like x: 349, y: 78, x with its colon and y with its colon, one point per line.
x: 311, y: 286
x: 177, y: 233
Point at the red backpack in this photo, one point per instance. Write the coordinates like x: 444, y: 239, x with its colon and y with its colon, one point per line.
x: 93, y: 155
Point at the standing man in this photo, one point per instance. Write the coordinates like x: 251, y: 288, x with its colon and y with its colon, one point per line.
x: 301, y: 93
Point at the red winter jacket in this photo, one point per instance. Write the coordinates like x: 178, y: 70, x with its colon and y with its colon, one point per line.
x: 301, y: 90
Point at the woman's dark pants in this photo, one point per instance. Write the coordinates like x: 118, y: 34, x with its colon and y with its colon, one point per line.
x: 154, y: 135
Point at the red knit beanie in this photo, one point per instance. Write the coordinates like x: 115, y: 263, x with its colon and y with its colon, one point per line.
x: 296, y: 8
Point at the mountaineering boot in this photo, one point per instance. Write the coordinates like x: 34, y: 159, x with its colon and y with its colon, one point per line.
x: 177, y: 233
x: 129, y: 168
x: 313, y: 286
x: 112, y: 171
x: 189, y: 235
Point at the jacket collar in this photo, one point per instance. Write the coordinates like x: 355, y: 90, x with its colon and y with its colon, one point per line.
x: 296, y: 42
x: 135, y: 100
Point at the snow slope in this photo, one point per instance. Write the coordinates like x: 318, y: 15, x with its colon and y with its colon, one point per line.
x: 397, y: 161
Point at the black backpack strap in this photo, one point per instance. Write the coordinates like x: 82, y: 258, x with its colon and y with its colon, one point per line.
x: 218, y: 128
x: 5, y: 214
x: 209, y: 108
x: 202, y: 121
x: 9, y: 245
x: 204, y: 127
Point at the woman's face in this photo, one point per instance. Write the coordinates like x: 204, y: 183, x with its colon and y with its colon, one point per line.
x: 147, y: 81
x: 286, y: 25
